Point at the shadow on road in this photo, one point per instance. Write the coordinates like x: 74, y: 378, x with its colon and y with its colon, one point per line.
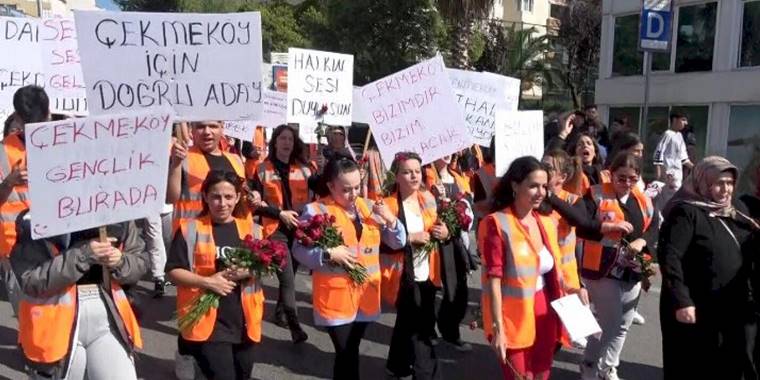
x: 10, y: 354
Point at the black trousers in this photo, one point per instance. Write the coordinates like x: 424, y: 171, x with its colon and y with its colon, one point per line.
x: 222, y: 361
x: 346, y: 340
x: 452, y: 312
x: 411, y: 351
x: 286, y: 301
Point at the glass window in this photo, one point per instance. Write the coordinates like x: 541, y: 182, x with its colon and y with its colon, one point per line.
x: 749, y: 55
x: 744, y: 145
x: 696, y: 37
x: 651, y: 132
x: 527, y: 5
x: 626, y: 57
x: 624, y: 119
x: 696, y: 132
x: 661, y: 62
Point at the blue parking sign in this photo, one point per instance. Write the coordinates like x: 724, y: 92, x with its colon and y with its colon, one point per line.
x: 655, y: 28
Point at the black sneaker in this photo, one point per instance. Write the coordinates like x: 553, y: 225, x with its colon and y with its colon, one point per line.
x: 298, y: 335
x: 159, y: 288
x: 279, y: 319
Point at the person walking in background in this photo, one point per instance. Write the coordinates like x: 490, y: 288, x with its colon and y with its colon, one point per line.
x: 282, y: 180
x: 222, y: 341
x: 75, y: 321
x: 524, y: 272
x: 343, y: 307
x: 671, y: 155
x: 706, y: 252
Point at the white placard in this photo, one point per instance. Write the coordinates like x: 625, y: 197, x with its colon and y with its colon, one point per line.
x: 518, y: 134
x: 359, y: 113
x: 275, y: 110
x: 20, y: 64
x: 205, y: 66
x: 240, y: 129
x: 576, y: 317
x: 415, y: 110
x: 107, y: 169
x: 481, y: 94
x: 64, y: 82
x: 317, y: 79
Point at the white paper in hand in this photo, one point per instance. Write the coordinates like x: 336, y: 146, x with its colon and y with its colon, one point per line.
x: 576, y: 317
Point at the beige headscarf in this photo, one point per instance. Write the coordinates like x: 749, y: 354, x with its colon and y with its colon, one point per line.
x: 696, y: 190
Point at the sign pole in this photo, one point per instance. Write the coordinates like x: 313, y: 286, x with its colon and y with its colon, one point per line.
x: 647, y: 71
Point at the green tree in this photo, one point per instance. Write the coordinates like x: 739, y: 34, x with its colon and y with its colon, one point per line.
x: 462, y: 15
x: 518, y: 53
x: 383, y: 36
x: 578, y: 47
x: 149, y: 5
x: 279, y: 27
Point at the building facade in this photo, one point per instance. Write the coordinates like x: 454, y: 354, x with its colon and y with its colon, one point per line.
x: 712, y: 74
x: 48, y: 7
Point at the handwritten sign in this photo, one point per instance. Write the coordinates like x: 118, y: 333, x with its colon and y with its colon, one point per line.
x: 205, y: 66
x: 64, y: 82
x: 275, y: 110
x: 240, y: 129
x: 415, y: 110
x: 20, y: 64
x: 518, y: 134
x: 317, y: 79
x: 480, y: 95
x: 107, y: 169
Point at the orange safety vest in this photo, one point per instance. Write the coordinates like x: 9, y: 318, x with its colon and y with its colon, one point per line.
x: 566, y: 233
x: 45, y: 323
x: 392, y: 263
x: 194, y: 170
x: 432, y: 177
x: 337, y: 299
x: 604, y: 176
x: 488, y: 178
x: 520, y: 273
x: 300, y: 194
x: 18, y: 200
x: 201, y: 253
x: 600, y: 256
x: 259, y: 141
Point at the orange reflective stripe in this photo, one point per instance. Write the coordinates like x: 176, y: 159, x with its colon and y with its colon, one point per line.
x: 273, y: 193
x: 337, y: 299
x: 198, y: 234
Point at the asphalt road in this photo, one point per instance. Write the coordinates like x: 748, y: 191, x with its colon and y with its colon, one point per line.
x: 278, y: 358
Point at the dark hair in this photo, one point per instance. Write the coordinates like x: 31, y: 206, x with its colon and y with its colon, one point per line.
x: 296, y: 156
x: 677, y: 115
x: 337, y: 166
x: 31, y: 104
x: 572, y: 147
x: 519, y: 170
x: 490, y: 156
x: 625, y: 160
x: 623, y: 141
x: 8, y: 124
x: 562, y: 162
x: 218, y: 176
x: 589, y: 106
x: 401, y: 156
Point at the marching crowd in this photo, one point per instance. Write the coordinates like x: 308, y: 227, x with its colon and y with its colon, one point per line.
x: 580, y: 221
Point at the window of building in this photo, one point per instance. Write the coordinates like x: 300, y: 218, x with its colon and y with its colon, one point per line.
x: 557, y: 11
x: 626, y: 57
x: 624, y: 119
x: 696, y: 37
x: 526, y: 5
x: 749, y: 53
x: 743, y: 148
x: 658, y: 122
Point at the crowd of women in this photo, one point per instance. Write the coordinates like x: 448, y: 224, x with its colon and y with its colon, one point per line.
x: 564, y: 225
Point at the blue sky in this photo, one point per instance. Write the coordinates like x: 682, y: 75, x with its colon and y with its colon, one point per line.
x: 107, y: 4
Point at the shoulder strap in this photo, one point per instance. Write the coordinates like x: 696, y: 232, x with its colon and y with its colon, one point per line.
x: 191, y: 236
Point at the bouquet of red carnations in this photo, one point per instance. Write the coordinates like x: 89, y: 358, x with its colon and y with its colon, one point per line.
x: 260, y: 257
x: 452, y: 213
x: 643, y: 265
x: 320, y: 231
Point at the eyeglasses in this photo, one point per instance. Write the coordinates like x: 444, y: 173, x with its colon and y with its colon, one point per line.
x: 626, y: 179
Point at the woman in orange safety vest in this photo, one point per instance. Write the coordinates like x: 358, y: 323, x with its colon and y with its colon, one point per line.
x: 222, y: 341
x: 282, y: 180
x: 523, y: 273
x: 412, y: 274
x: 75, y: 321
x: 342, y: 306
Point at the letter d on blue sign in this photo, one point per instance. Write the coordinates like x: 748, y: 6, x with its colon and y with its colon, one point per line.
x: 655, y: 28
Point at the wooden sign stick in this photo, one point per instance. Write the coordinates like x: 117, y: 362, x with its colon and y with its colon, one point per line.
x: 366, y: 141
x: 103, y: 238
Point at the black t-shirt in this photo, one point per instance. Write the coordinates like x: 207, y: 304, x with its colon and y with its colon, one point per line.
x: 229, y: 326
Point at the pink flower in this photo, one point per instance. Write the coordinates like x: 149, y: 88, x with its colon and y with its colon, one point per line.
x: 315, y: 234
x: 318, y: 219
